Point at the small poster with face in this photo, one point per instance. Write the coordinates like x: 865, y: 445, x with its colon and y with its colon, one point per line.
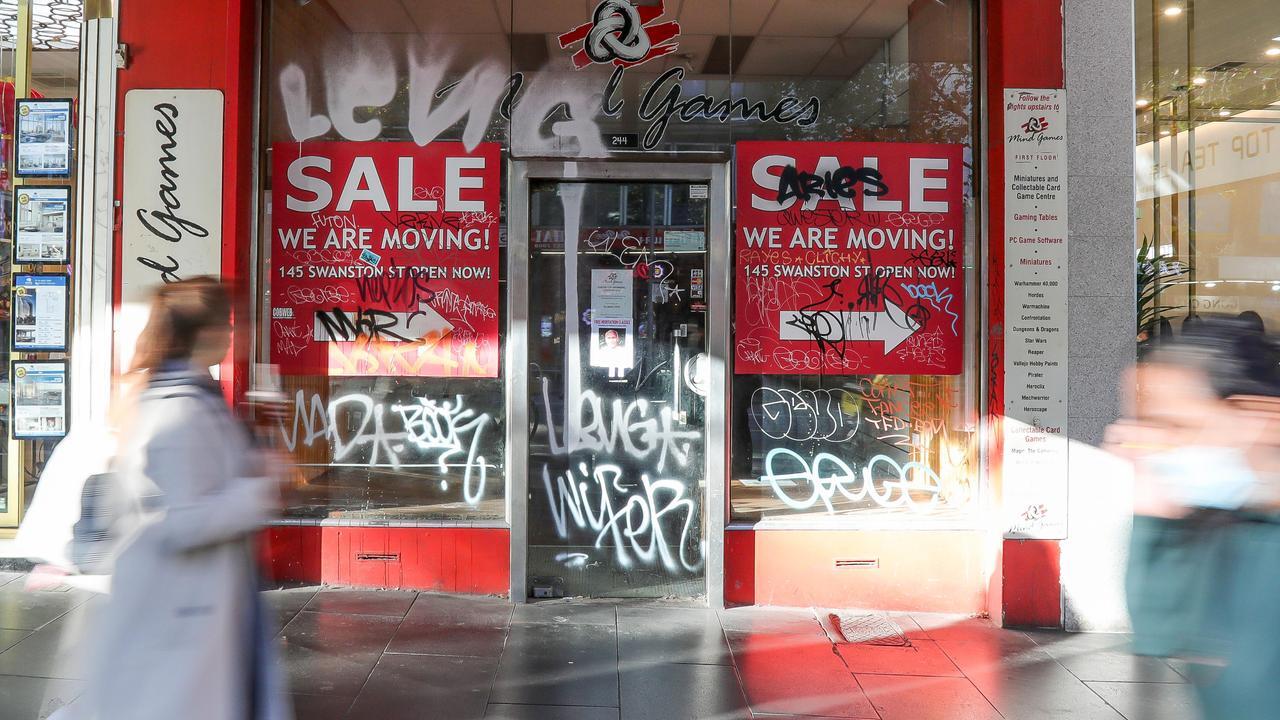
x: 39, y: 399
x: 40, y: 312
x: 42, y: 227
x: 612, y: 344
x: 44, y: 138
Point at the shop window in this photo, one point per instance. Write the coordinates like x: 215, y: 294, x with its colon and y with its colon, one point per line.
x: 1208, y: 165
x: 39, y: 87
x: 536, y: 79
x: 830, y: 433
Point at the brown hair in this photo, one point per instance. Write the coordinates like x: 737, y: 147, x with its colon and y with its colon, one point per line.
x: 179, y: 311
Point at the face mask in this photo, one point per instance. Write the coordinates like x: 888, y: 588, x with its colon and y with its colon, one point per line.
x: 1203, y: 476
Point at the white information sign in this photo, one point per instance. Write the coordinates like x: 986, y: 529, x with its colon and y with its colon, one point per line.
x: 44, y: 138
x: 1035, y: 320
x: 172, y: 196
x: 612, y: 321
x: 42, y: 229
x: 39, y: 399
x: 40, y: 304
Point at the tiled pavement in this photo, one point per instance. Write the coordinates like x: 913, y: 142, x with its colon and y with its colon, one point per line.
x: 388, y: 655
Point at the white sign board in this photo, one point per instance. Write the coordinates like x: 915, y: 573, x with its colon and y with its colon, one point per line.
x: 1035, y: 315
x: 172, y: 197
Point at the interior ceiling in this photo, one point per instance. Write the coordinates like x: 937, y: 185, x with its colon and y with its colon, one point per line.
x: 1207, y: 34
x: 791, y: 38
x: 55, y: 24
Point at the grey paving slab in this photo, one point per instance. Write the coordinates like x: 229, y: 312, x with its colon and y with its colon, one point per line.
x: 1104, y: 657
x: 549, y: 712
x: 1023, y: 681
x: 333, y: 654
x: 1115, y: 666
x: 907, y: 697
x: 9, y: 638
x: 682, y: 692
x: 29, y: 698
x: 461, y: 610
x: 320, y: 707
x: 940, y: 626
x: 796, y: 674
x: 921, y: 657
x: 391, y: 603
x: 550, y: 664
x: 409, y: 687
x: 55, y: 651
x: 1149, y: 701
x: 562, y: 612
x: 7, y: 577
x: 649, y: 635
x: 286, y: 603
x: 22, y: 610
x: 422, y: 638
x: 771, y: 620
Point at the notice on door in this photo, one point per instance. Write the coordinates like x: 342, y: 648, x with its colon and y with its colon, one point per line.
x: 849, y: 258
x: 1035, y: 320
x: 384, y: 259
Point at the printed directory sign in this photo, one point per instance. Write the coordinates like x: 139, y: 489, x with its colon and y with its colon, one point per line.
x: 39, y: 399
x: 849, y: 258
x: 40, y: 312
x: 44, y: 138
x: 1035, y: 432
x: 42, y: 225
x: 385, y: 259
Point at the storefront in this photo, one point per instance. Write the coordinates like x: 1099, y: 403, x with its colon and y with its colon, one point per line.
x: 500, y: 275
x: 699, y: 300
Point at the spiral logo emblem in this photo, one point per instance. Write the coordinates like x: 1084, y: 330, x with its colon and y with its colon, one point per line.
x: 622, y: 34
x: 616, y: 34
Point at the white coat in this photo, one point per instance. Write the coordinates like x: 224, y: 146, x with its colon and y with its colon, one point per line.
x: 176, y: 637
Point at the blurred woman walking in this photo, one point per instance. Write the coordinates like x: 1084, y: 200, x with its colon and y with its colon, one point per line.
x: 184, y: 634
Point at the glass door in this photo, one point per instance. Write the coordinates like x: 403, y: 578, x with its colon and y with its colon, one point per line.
x: 617, y: 386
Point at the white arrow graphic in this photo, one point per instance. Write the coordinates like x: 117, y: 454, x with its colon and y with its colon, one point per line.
x: 339, y: 325
x: 891, y: 326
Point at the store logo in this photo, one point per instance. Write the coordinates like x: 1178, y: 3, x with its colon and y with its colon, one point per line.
x: 623, y: 35
x: 1036, y: 125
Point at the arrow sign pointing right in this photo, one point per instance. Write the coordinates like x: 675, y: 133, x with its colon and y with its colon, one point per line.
x: 891, y: 326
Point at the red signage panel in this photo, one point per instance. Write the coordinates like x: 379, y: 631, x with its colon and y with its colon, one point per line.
x: 849, y: 258
x: 384, y: 258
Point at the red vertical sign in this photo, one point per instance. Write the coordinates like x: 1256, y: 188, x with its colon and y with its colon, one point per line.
x: 384, y: 259
x: 849, y: 258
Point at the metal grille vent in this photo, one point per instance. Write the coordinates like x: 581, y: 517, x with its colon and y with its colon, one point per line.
x: 868, y: 629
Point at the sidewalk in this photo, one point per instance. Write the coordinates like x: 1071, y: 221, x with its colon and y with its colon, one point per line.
x: 387, y: 655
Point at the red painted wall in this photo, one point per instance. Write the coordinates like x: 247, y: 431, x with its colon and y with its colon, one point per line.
x: 1024, y: 50
x: 918, y: 571
x: 208, y: 44
x: 462, y: 560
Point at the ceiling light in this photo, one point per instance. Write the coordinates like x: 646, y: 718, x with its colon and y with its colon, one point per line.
x: 1142, y: 102
x: 1275, y: 288
x: 1173, y: 11
x: 1211, y: 284
x: 1198, y: 81
x: 1273, y: 51
x: 1224, y: 113
x: 1164, y: 132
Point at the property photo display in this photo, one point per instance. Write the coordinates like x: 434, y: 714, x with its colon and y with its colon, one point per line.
x: 42, y: 225
x: 849, y: 258
x: 40, y: 304
x: 44, y: 138
x: 384, y: 259
x: 39, y: 399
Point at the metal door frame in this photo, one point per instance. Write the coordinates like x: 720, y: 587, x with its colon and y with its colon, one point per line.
x: 520, y: 173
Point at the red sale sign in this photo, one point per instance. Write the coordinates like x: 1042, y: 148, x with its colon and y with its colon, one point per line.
x: 384, y: 258
x: 849, y: 258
